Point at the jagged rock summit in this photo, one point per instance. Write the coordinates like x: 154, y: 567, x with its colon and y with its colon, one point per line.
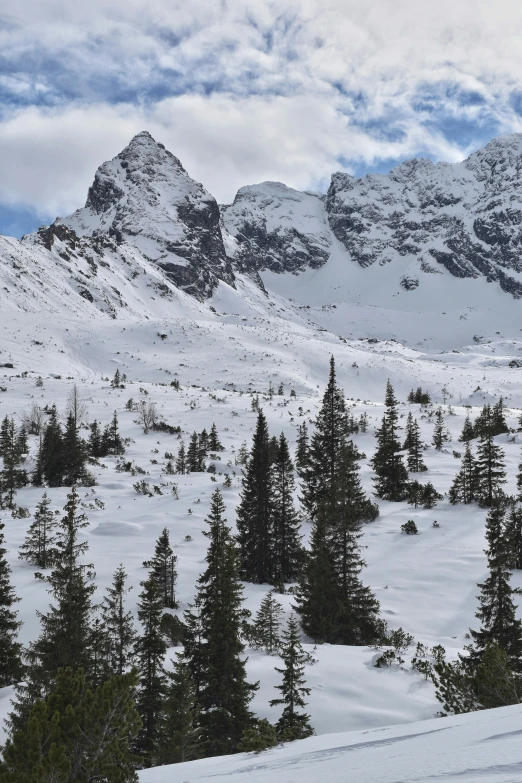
x: 144, y: 197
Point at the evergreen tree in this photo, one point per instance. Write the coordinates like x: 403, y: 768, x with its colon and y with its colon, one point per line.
x: 53, y: 465
x: 430, y: 496
x: 10, y: 648
x: 491, y: 474
x: 497, y: 611
x: 74, y: 454
x: 202, y: 448
x: 484, y: 422
x: 464, y: 488
x: 180, y: 734
x: 181, y: 460
x: 292, y: 724
x: 118, y: 623
x: 255, y: 519
x: 39, y: 545
x: 302, y: 450
x: 95, y: 445
x: 267, y: 624
x: 163, y: 570
x: 214, y: 444
x: 150, y: 649
x: 415, y: 461
x: 440, y: 432
x: 112, y: 444
x: 224, y: 693
x: 12, y: 476
x: 193, y: 454
x: 499, y: 424
x: 468, y: 432
x: 330, y: 433
x: 334, y: 605
x: 513, y: 534
x: 391, y: 475
x: 65, y: 628
x: 22, y: 446
x: 77, y: 734
x: 287, y: 556
x: 116, y: 381
x: 409, y: 439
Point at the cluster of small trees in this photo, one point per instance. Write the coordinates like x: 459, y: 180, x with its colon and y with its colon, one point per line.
x: 192, y: 459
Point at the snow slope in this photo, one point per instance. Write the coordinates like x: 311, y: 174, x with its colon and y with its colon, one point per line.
x: 481, y: 747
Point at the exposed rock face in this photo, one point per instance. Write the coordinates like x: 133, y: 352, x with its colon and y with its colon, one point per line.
x: 145, y: 198
x: 277, y: 228
x: 466, y: 217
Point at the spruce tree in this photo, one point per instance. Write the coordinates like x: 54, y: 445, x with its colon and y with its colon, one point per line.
x: 150, y: 649
x: 391, y: 475
x: 39, y: 545
x: 440, y: 432
x: 112, y: 443
x: 12, y: 476
x: 513, y: 534
x: 255, y: 519
x: 193, y: 454
x: 53, y: 465
x: 464, y: 488
x: 74, y: 454
x: 64, y: 639
x: 468, y: 432
x: 499, y: 424
x: 497, y: 610
x: 415, y: 461
x: 94, y: 445
x: 181, y: 460
x: 330, y: 432
x: 409, y: 439
x: 267, y: 624
x: 163, y: 570
x: 202, y: 448
x: 214, y: 444
x: 118, y: 623
x: 77, y: 734
x: 224, y: 693
x: 293, y: 724
x: 302, y: 449
x: 10, y: 649
x: 287, y: 556
x: 491, y: 474
x: 180, y: 734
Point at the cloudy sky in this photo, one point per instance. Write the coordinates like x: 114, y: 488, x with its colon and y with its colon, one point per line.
x: 246, y: 90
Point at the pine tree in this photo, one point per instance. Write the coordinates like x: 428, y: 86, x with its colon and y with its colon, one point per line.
x: 292, y: 724
x: 112, y: 444
x: 287, y: 556
x: 53, y: 465
x: 484, y: 422
x: 77, y: 734
x: 202, y: 448
x: 193, y: 454
x: 39, y: 545
x: 415, y: 461
x: 224, y: 693
x: 267, y: 624
x: 95, y: 445
x: 255, y: 523
x: 118, y: 623
x: 13, y: 476
x: 464, y: 488
x: 302, y: 450
x: 214, y: 444
x: 180, y: 734
x: 330, y: 433
x: 181, y: 460
x: 150, y: 649
x: 497, y: 611
x: 468, y: 432
x: 65, y: 628
x: 440, y: 432
x: 163, y: 570
x: 334, y: 605
x: 10, y: 649
x: 499, y: 424
x: 491, y: 474
x: 116, y: 381
x: 74, y: 454
x: 409, y: 439
x: 513, y: 534
x: 391, y: 475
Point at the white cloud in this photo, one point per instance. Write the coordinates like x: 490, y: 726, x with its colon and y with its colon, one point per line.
x: 269, y: 89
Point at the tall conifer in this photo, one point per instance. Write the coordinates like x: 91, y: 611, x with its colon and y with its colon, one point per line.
x: 10, y: 648
x: 391, y: 476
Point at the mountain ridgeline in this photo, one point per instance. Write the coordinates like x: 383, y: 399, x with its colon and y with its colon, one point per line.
x: 145, y: 215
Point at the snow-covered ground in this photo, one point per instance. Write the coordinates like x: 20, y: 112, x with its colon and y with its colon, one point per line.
x: 426, y: 584
x: 482, y: 747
